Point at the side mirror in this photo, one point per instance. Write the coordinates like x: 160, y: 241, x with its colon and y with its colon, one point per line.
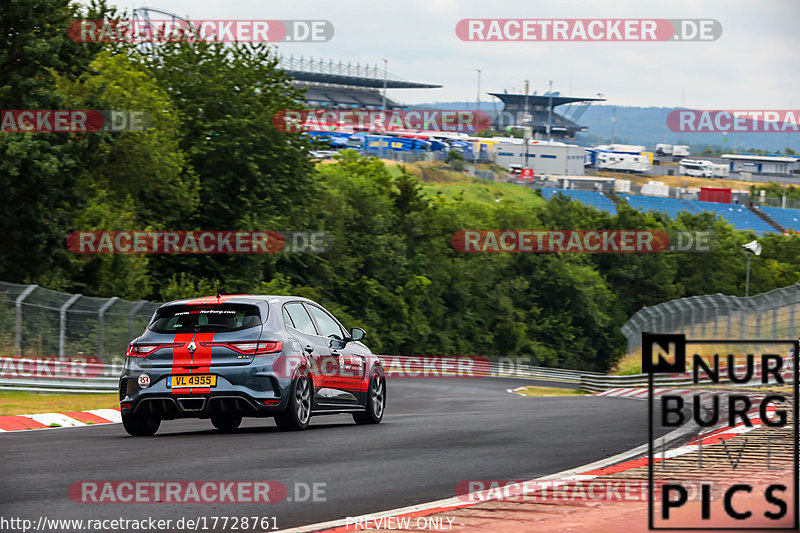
x: 356, y: 334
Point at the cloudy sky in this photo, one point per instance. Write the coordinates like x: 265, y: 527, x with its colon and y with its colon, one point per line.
x: 754, y: 65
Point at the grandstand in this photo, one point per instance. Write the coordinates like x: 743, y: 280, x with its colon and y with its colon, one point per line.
x: 788, y: 218
x: 669, y: 206
x: 563, y: 125
x: 595, y: 199
x: 738, y: 215
x: 337, y: 85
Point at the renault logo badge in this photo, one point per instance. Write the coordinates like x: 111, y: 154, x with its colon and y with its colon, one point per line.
x: 192, y: 347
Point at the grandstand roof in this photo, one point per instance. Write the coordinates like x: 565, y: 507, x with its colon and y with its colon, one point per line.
x: 541, y: 100
x: 357, y: 81
x: 326, y: 71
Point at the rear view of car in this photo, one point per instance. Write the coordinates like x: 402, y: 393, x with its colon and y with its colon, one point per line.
x: 234, y: 356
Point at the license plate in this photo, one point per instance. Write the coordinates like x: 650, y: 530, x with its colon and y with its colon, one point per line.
x: 195, y: 380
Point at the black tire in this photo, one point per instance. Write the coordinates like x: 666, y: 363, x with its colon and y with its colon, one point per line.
x: 376, y: 402
x: 140, y: 425
x: 226, y: 423
x: 298, y: 408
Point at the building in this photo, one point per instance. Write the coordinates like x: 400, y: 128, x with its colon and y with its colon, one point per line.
x: 563, y: 124
x: 779, y: 165
x: 552, y: 158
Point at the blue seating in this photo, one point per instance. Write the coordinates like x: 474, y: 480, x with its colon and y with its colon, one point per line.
x: 738, y: 215
x: 669, y: 206
x: 596, y: 199
x: 788, y: 218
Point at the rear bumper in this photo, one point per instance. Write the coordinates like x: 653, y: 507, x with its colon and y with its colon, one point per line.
x: 243, y: 391
x: 170, y: 407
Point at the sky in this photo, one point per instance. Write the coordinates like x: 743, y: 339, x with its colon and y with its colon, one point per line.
x: 753, y: 65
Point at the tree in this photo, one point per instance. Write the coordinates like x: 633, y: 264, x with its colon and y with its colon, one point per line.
x: 251, y: 175
x: 38, y: 171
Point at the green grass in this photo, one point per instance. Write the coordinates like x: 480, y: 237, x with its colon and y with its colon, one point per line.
x: 478, y: 190
x: 24, y: 403
x: 629, y: 365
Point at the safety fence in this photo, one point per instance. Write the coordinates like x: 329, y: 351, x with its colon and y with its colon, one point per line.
x: 35, y: 321
x: 769, y: 316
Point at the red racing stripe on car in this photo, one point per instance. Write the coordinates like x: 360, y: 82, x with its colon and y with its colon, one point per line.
x: 181, y: 358
x: 202, y: 359
x: 347, y: 383
x: 212, y: 300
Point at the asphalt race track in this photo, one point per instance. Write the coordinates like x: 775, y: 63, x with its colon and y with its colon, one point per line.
x: 436, y: 432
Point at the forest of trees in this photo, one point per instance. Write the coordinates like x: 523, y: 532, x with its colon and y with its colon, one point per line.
x: 212, y: 160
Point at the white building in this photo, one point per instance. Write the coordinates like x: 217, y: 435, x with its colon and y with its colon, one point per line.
x: 544, y: 157
x: 763, y: 163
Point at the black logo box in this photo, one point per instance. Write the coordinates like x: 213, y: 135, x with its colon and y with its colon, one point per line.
x: 678, y: 365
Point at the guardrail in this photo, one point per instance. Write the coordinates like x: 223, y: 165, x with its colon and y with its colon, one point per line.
x: 106, y: 378
x: 605, y: 382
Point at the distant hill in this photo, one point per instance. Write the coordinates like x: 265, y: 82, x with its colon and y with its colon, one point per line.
x: 648, y: 126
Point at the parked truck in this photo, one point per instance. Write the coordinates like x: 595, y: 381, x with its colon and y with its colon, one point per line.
x: 663, y: 149
x: 678, y: 150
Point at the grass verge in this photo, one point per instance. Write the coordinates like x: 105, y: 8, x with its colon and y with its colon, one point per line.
x: 25, y: 403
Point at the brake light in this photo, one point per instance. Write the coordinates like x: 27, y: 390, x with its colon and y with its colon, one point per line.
x: 250, y: 348
x: 125, y: 405
x: 143, y: 350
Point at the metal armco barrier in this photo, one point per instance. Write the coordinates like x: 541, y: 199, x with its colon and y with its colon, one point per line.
x: 106, y: 377
x: 603, y: 382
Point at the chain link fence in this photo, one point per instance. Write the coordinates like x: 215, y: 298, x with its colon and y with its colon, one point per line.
x: 38, y: 322
x: 770, y: 315
x: 773, y: 201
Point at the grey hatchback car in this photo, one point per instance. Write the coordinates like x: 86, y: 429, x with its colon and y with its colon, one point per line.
x: 226, y: 357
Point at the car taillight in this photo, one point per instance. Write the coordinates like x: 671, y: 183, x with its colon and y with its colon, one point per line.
x: 143, y: 350
x: 250, y: 348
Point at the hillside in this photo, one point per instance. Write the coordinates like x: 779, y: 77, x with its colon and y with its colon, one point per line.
x: 648, y: 126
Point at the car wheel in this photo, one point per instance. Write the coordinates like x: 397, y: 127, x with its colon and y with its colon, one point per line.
x: 298, y: 409
x: 140, y: 425
x: 376, y: 402
x: 226, y: 423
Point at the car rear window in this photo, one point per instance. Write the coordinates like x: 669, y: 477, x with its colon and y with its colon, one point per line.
x: 192, y: 318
